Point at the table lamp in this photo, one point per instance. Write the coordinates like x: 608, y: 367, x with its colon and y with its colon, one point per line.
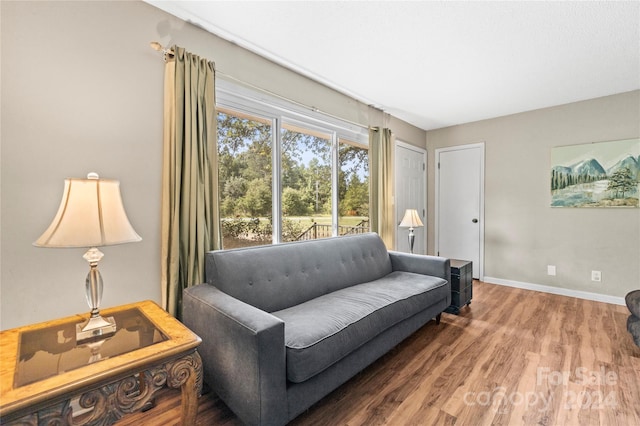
x: 411, y: 220
x: 90, y: 215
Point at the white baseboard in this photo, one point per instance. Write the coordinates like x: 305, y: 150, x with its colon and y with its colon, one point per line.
x: 557, y: 290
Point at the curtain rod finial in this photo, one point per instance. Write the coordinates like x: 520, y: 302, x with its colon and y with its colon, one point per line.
x: 166, y: 52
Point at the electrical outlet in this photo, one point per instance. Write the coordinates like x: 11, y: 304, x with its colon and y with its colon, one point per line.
x: 596, y: 276
x: 551, y: 269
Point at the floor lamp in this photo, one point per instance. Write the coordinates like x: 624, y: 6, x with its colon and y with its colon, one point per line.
x: 411, y: 220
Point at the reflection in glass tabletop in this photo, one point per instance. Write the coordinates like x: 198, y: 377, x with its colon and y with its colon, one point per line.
x: 49, y: 351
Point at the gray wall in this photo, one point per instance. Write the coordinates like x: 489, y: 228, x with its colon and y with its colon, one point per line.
x: 522, y: 233
x: 81, y: 92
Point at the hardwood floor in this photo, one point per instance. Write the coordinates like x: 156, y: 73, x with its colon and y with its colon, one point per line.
x: 514, y: 357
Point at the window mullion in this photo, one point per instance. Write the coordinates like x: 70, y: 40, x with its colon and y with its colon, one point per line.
x: 276, y: 198
x: 335, y: 170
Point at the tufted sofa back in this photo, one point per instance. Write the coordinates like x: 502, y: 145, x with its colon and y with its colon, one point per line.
x: 279, y: 276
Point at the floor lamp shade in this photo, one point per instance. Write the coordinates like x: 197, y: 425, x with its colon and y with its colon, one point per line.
x: 411, y: 219
x: 90, y: 215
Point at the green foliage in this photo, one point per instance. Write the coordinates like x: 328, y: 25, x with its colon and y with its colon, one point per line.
x: 357, y: 158
x: 257, y: 199
x: 235, y: 187
x: 234, y: 228
x: 253, y: 229
x: 293, y: 203
x: 356, y: 198
x: 291, y: 230
x: 259, y: 230
x: 245, y: 177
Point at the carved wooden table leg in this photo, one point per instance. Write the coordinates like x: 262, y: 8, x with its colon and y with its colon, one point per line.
x: 186, y: 373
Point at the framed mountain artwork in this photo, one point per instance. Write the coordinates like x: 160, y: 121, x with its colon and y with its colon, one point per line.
x: 600, y: 174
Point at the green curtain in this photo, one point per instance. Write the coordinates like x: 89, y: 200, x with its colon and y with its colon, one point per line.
x: 190, y: 210
x: 381, y: 178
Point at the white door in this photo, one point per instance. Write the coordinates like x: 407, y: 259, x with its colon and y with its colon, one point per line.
x: 460, y: 204
x: 410, y: 174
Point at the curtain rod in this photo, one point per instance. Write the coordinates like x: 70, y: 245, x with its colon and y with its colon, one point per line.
x: 169, y: 52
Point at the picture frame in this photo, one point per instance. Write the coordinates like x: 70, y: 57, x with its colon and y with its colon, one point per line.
x: 596, y: 175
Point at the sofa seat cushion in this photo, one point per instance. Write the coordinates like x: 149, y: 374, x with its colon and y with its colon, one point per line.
x: 321, y: 331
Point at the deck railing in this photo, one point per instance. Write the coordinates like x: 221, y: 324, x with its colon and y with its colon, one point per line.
x: 316, y: 230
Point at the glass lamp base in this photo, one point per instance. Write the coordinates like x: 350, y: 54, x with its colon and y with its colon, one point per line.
x: 96, y: 328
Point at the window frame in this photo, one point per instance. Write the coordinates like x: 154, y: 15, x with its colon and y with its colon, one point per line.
x: 281, y: 112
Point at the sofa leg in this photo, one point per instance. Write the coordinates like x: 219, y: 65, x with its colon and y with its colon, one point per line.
x: 438, y: 318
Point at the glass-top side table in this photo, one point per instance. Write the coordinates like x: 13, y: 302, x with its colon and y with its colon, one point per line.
x: 51, y: 350
x: 46, y: 375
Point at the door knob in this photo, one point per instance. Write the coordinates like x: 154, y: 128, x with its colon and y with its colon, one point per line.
x: 474, y: 220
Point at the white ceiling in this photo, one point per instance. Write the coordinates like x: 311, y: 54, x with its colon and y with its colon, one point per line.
x: 436, y: 64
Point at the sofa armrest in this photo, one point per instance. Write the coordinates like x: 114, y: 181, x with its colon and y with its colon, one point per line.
x: 243, y: 353
x: 421, y: 264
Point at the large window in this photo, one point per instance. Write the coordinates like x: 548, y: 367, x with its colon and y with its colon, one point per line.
x: 286, y: 177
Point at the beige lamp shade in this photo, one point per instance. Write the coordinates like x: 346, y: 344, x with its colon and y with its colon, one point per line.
x: 91, y: 214
x: 411, y: 219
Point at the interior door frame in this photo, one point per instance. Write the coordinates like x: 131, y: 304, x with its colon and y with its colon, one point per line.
x: 481, y: 217
x: 396, y: 219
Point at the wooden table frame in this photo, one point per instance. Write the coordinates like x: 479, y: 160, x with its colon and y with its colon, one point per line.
x: 112, y: 387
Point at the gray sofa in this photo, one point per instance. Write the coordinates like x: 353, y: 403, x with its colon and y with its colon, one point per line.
x: 284, y: 325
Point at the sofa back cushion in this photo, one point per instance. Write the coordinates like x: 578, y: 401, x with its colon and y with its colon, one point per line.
x: 279, y: 276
